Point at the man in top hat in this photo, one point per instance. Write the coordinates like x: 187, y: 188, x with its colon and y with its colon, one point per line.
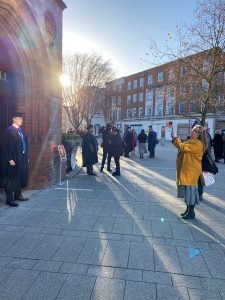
x: 89, y: 150
x: 152, y: 142
x: 15, y: 161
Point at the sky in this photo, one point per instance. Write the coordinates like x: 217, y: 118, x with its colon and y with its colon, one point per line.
x: 120, y: 29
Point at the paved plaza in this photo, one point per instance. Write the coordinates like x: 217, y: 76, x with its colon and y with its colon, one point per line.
x: 99, y: 237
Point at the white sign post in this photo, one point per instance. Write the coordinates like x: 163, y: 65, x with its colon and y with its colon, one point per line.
x: 63, y: 159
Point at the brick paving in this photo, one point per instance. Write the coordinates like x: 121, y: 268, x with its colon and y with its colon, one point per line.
x: 115, y: 238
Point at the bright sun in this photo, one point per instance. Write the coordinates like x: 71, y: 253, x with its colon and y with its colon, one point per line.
x: 65, y: 80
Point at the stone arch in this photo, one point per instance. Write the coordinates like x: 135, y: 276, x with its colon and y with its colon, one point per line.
x: 20, y: 32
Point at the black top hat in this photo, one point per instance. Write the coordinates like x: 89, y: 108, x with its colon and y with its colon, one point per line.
x: 17, y: 115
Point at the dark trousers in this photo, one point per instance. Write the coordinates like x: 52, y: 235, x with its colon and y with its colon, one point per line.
x: 12, y: 195
x: 117, y: 162
x: 152, y: 151
x: 126, y: 152
x: 89, y: 169
x: 200, y: 187
x: 105, y: 153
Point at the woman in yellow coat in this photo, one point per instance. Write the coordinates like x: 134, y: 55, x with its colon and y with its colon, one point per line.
x: 189, y: 166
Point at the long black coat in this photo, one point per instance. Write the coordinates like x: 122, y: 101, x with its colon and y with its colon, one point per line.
x: 12, y: 149
x: 218, y: 145
x: 127, y: 137
x: 89, y: 149
x: 116, y: 145
x: 152, y: 140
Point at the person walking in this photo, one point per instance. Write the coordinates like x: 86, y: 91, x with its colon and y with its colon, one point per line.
x: 15, y: 161
x: 89, y: 150
x: 189, y: 167
x: 152, y: 141
x: 116, y: 149
x: 127, y: 137
x: 134, y: 141
x: 142, y: 139
x: 106, y: 134
x: 218, y: 145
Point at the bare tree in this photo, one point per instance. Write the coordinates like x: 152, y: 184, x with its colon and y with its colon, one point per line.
x: 198, y: 59
x: 84, y: 96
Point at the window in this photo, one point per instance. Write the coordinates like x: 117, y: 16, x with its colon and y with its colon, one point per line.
x: 171, y: 93
x: 183, y: 71
x: 119, y: 100
x: 128, y: 99
x: 160, y: 77
x: 207, y: 65
x: 205, y: 85
x: 141, y: 97
x: 128, y: 113
x: 182, y: 107
x: 135, y: 84
x: 2, y: 75
x: 171, y: 76
x: 134, y: 98
x: 134, y: 112
x: 114, y: 115
x: 192, y: 107
x: 193, y: 87
x: 119, y: 87
x: 140, y: 111
x: 159, y: 102
x: 141, y: 82
x: 129, y: 85
x: 150, y: 79
x: 170, y: 108
x: 149, y: 96
x: 149, y: 111
x: 118, y: 114
x: 113, y: 101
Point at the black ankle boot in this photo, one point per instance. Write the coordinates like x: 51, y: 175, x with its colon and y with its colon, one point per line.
x: 101, y: 170
x: 190, y: 214
x: 186, y: 211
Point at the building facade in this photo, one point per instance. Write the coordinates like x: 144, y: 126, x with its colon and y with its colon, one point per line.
x: 30, y: 66
x: 155, y: 97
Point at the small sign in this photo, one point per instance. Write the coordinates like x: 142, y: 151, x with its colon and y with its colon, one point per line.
x: 62, y: 153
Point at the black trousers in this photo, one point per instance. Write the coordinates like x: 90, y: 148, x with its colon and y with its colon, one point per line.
x: 105, y: 154
x: 117, y: 162
x: 126, y: 152
x: 89, y: 169
x: 12, y: 195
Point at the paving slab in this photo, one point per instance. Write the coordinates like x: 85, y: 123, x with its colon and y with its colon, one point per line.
x: 139, y: 290
x: 110, y: 289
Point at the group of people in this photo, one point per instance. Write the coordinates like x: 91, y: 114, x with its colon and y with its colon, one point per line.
x: 194, y: 157
x: 131, y: 140
x: 112, y: 144
x: 115, y: 146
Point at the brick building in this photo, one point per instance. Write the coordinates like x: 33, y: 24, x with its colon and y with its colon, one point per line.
x: 156, y: 97
x: 30, y: 66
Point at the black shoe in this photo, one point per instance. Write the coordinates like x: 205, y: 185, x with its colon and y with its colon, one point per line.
x: 94, y: 174
x: 201, y: 198
x: 186, y: 211
x: 109, y: 170
x: 190, y: 214
x: 115, y: 174
x: 101, y: 170
x: 12, y: 203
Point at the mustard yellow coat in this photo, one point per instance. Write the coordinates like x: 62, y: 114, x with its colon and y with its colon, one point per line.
x: 189, y: 165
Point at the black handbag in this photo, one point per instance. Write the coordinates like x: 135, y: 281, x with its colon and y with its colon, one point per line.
x: 208, y: 164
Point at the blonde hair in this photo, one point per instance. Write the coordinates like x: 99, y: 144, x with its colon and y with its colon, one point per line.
x: 203, y: 136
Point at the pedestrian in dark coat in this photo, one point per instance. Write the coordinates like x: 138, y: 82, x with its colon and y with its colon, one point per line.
x: 152, y: 141
x: 142, y: 139
x: 15, y: 161
x: 128, y: 137
x: 89, y: 150
x: 116, y: 149
x: 106, y: 135
x: 218, y: 145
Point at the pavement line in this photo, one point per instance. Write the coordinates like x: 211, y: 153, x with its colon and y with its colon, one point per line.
x: 86, y: 190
